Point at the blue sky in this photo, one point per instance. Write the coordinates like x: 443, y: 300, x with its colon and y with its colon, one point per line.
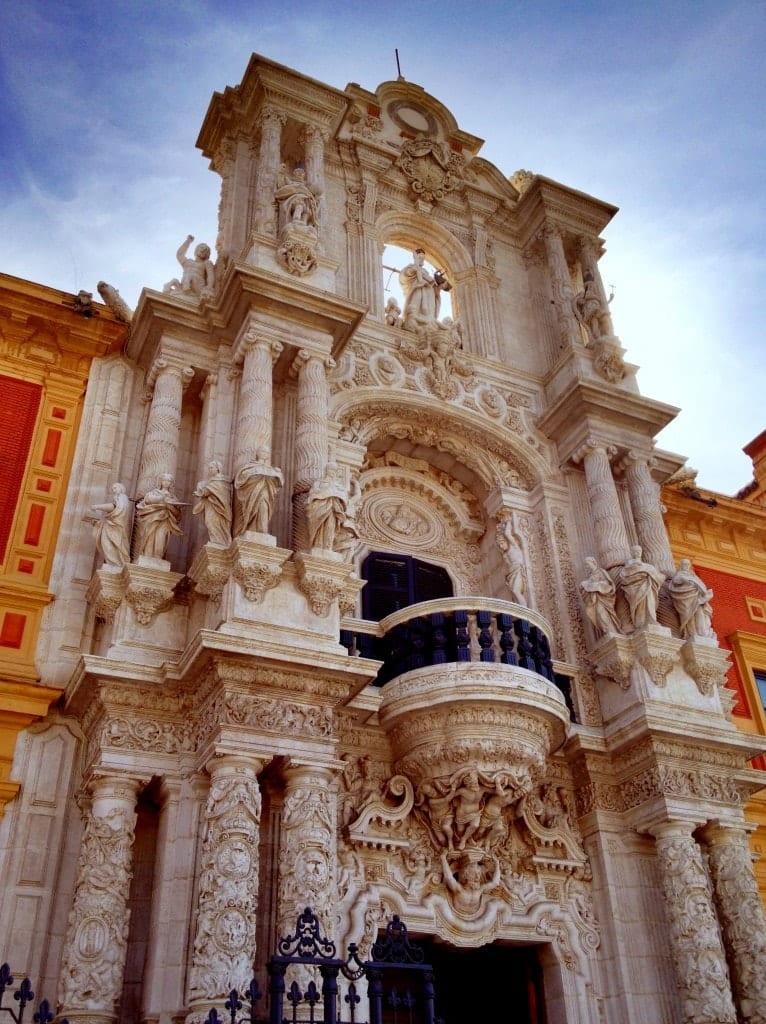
x: 655, y: 107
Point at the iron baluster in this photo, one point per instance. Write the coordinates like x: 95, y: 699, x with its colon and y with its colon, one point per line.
x: 484, y: 621
x: 429, y: 997
x: 252, y: 994
x: 505, y: 628
x: 462, y: 638
x: 394, y: 1002
x: 352, y: 998
x: 276, y: 990
x: 438, y: 639
x: 312, y: 997
x: 329, y: 974
x: 295, y: 998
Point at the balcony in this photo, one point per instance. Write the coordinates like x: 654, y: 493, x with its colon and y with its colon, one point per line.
x: 465, y: 680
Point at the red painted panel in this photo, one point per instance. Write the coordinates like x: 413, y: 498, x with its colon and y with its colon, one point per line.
x: 19, y: 403
x: 12, y: 631
x: 58, y: 413
x: 51, y: 449
x: 34, y: 525
x: 25, y: 565
x: 43, y: 485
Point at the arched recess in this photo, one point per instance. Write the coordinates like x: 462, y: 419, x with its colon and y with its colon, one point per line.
x: 495, y: 455
x: 412, y: 230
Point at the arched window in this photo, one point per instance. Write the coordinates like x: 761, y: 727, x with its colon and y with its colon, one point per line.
x: 396, y: 581
x: 395, y: 259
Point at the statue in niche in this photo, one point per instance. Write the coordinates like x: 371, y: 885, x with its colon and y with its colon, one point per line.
x: 113, y: 529
x: 214, y: 505
x: 691, y: 600
x: 256, y: 486
x: 393, y: 313
x: 588, y: 307
x: 327, y: 511
x: 599, y: 594
x: 158, y: 515
x: 198, y: 276
x: 298, y: 201
x: 640, y: 584
x: 515, y: 563
x: 470, y: 885
x: 422, y: 293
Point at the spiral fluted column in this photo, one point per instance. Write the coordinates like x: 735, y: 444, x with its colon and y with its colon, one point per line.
x: 608, y: 523
x: 163, y: 428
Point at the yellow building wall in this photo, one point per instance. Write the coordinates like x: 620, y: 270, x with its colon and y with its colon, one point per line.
x: 48, y: 340
x: 726, y: 538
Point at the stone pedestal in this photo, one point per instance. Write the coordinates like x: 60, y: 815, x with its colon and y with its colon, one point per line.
x: 257, y: 564
x: 106, y: 591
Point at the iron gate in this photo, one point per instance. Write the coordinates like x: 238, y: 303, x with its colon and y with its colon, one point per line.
x: 400, y: 986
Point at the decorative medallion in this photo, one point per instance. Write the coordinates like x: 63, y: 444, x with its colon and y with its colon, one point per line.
x: 402, y: 521
x: 430, y: 167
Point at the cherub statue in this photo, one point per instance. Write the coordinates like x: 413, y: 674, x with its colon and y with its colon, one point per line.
x: 198, y: 276
x: 393, y: 313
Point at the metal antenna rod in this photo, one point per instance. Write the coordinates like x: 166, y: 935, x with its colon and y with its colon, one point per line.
x: 398, y: 68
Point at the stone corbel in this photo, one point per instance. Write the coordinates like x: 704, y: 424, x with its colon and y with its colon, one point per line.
x: 613, y: 658
x: 210, y: 571
x: 324, y: 579
x: 150, y: 591
x: 608, y: 359
x: 106, y: 591
x: 257, y: 563
x: 706, y: 664
x: 657, y: 651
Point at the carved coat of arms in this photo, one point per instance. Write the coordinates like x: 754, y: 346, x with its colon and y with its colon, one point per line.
x: 430, y: 167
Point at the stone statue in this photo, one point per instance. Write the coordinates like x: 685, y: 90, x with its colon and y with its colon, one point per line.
x: 256, y: 486
x: 158, y: 514
x: 115, y: 302
x: 588, y: 307
x: 113, y: 529
x: 298, y: 201
x: 470, y: 885
x: 493, y: 828
x: 691, y: 600
x: 214, y: 505
x: 393, y: 313
x: 327, y: 510
x: 467, y: 803
x: 198, y: 274
x: 515, y: 563
x: 422, y: 292
x: 598, y: 594
x: 640, y: 584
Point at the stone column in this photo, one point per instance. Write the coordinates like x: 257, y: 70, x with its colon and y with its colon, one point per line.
x: 255, y: 410
x: 742, y: 917
x: 589, y: 262
x: 314, y: 139
x: 92, y: 968
x: 693, y: 933
x: 224, y: 943
x: 647, y: 512
x: 608, y: 524
x: 563, y: 293
x: 310, y: 435
x: 160, y: 451
x: 307, y: 865
x: 268, y: 169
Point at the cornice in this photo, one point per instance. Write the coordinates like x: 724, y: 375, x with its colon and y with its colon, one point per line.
x: 549, y: 202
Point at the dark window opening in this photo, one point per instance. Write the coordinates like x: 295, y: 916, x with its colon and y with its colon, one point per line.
x: 397, y: 581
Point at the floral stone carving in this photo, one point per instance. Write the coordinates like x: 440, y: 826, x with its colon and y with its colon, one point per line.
x: 257, y: 564
x: 150, y: 591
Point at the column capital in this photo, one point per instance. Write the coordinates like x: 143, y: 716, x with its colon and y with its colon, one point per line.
x: 271, y: 117
x: 165, y: 365
x: 306, y: 356
x: 256, y: 337
x: 669, y: 830
x: 314, y: 133
x: 233, y: 764
x: 592, y: 445
x: 635, y: 457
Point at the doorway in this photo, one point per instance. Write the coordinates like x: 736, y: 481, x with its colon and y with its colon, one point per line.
x: 493, y: 983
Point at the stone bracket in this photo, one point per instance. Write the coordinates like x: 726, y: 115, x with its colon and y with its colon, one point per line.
x: 106, y: 591
x: 149, y: 591
x: 707, y: 665
x: 211, y: 570
x: 324, y: 578
x: 257, y: 564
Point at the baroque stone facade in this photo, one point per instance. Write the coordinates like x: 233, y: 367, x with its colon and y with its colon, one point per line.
x: 395, y: 628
